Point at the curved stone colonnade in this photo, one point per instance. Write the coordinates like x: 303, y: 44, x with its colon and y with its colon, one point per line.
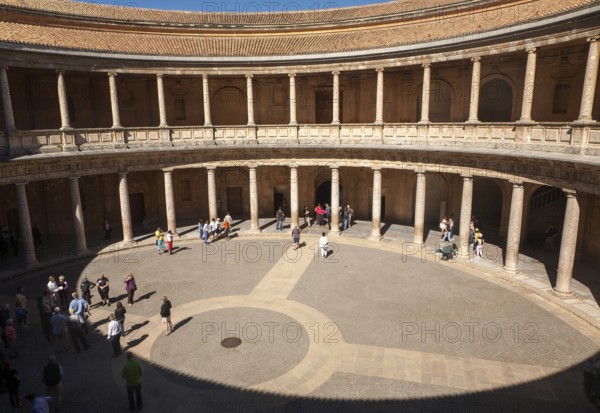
x: 559, y: 147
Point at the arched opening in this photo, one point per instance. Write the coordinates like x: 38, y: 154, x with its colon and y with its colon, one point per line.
x: 496, y: 101
x: 323, y: 194
x: 487, y: 207
x: 547, y: 206
x: 229, y: 107
x: 436, y: 199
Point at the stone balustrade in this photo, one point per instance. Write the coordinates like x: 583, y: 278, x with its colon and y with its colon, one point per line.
x: 565, y: 138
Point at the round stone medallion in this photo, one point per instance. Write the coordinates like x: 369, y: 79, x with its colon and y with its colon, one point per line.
x: 233, y: 346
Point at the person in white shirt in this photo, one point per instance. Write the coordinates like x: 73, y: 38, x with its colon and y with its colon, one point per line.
x: 324, y: 245
x: 114, y: 335
x: 206, y: 230
x: 53, y: 288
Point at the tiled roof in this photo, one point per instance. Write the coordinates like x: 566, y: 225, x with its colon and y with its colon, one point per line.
x: 87, y: 36
x: 224, y: 17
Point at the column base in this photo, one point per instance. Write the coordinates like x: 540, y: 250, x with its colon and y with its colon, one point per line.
x: 585, y: 121
x: 375, y: 237
x: 563, y: 295
x: 472, y: 121
x: 510, y: 271
x: 424, y: 122
x: 254, y: 231
x: 335, y: 232
x: 525, y: 122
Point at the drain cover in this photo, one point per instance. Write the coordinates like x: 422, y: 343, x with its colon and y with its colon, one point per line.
x: 231, y: 342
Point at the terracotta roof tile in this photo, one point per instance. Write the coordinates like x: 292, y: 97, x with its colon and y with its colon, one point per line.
x: 222, y: 43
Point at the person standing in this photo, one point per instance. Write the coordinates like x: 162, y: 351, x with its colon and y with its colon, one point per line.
x: 450, y: 227
x: 21, y: 300
x: 76, y: 331
x: 206, y: 230
x: 53, y: 288
x: 328, y: 215
x: 296, y: 237
x: 103, y: 288
x: 80, y: 308
x: 45, y: 315
x: 130, y: 288
x: 85, y: 288
x: 132, y: 373
x: 63, y: 292
x: 120, y: 316
x: 160, y: 240
x: 551, y: 235
x: 227, y: 228
x: 280, y: 216
x: 324, y: 245
x: 107, y: 228
x: 59, y: 325
x: 307, y: 217
x: 53, y: 377
x: 165, y: 314
x: 114, y: 335
x: 10, y: 335
x: 11, y: 378
x: 228, y: 219
x: 350, y: 215
x: 170, y: 242
x: 200, y: 230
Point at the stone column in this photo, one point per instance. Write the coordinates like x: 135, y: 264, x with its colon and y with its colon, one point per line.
x: 336, y: 98
x: 63, y: 102
x: 212, y: 192
x: 379, y: 100
x: 335, y: 201
x: 568, y: 245
x: 254, y: 225
x: 25, y: 226
x: 419, y: 235
x: 125, y: 211
x: 114, y: 100
x: 294, y: 195
x: 425, y: 93
x: 77, y: 215
x: 475, y: 80
x: 170, y: 201
x: 162, y: 107
x: 250, y: 94
x: 293, y: 120
x: 206, y: 100
x: 465, y: 216
x: 9, y: 118
x: 528, y: 87
x: 376, y: 218
x: 589, y: 82
x: 513, y: 238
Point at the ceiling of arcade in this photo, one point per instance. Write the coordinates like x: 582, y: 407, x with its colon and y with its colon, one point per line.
x: 534, y: 168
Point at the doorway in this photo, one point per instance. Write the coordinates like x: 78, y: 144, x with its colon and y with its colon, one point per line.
x: 234, y: 200
x: 137, y: 208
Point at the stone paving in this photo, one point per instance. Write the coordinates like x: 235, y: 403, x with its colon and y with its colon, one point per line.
x: 367, y: 329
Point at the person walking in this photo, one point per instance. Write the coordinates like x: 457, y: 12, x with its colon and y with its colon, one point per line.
x: 114, y: 335
x: 160, y: 240
x: 324, y: 245
x: 104, y: 289
x: 132, y: 373
x: 11, y: 378
x: 165, y: 314
x: 206, y: 231
x: 130, y: 288
x: 170, y: 241
x: 21, y: 302
x: 59, y: 325
x: 53, y: 378
x: 120, y: 316
x: 53, y: 288
x: 296, y: 237
x: 85, y: 288
x: 200, y: 230
x: 63, y: 292
x: 10, y: 335
x: 550, y: 237
x: 227, y: 228
x: 76, y: 331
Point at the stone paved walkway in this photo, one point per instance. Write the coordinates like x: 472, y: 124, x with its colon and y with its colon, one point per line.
x: 373, y: 327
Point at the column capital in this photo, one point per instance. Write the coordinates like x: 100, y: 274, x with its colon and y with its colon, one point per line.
x: 74, y: 178
x: 123, y: 174
x: 249, y: 75
x: 160, y: 75
x: 335, y: 72
x: 570, y: 192
x: 466, y: 176
x: 293, y: 166
x: 421, y: 171
x: 167, y: 171
x: 4, y: 67
x: 205, y: 75
x: 60, y: 72
x: 425, y: 65
x: 376, y: 169
x: 530, y: 50
x: 21, y: 183
x: 293, y: 74
x: 211, y: 167
x: 593, y: 39
x: 516, y: 182
x: 476, y: 59
x: 334, y: 167
x: 380, y: 69
x: 111, y: 74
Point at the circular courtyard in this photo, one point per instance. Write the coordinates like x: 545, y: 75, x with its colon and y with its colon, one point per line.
x: 259, y: 325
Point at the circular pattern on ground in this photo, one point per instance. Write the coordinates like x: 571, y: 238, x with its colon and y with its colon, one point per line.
x: 271, y: 345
